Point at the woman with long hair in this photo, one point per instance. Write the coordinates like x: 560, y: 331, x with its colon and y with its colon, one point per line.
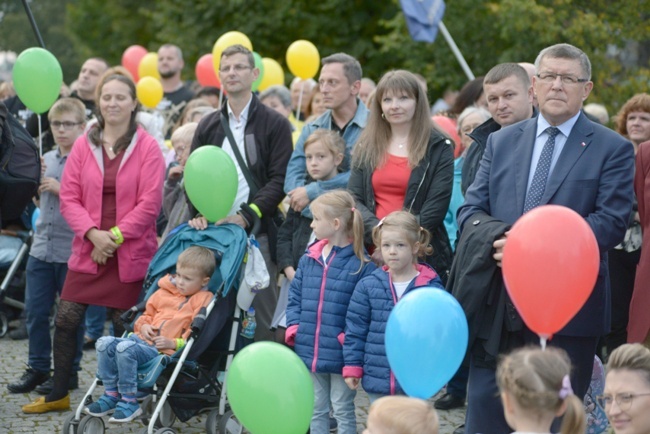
x: 111, y: 194
x: 401, y: 162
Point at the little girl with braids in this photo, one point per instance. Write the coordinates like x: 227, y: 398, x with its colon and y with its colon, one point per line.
x: 401, y: 240
x: 535, y: 389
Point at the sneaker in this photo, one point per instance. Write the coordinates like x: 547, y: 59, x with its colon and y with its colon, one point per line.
x: 46, y: 388
x: 125, y: 412
x: 29, y: 380
x: 104, y: 405
x: 449, y: 402
x: 89, y: 343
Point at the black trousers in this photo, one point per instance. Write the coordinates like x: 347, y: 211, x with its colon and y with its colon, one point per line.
x: 622, y: 270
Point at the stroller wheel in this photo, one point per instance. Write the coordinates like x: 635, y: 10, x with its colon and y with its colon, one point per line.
x: 70, y: 425
x: 228, y: 424
x: 4, y: 324
x: 166, y: 417
x: 165, y: 430
x: 91, y: 425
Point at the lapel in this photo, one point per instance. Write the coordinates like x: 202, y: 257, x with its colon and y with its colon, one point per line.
x: 523, y: 154
x: 578, y: 140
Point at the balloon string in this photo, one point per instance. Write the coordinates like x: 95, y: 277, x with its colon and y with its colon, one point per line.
x: 302, y: 85
x: 542, y: 341
x: 40, y: 137
x: 221, y: 95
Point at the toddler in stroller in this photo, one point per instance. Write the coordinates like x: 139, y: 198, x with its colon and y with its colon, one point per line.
x: 163, y: 327
x: 188, y: 382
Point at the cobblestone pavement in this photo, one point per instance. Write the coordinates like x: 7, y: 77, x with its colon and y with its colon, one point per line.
x: 13, y: 356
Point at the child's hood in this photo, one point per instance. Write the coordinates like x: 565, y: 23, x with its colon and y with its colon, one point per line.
x: 315, y: 251
x: 167, y: 283
x: 426, y: 276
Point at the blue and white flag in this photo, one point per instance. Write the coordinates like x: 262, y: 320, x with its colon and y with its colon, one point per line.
x: 423, y: 18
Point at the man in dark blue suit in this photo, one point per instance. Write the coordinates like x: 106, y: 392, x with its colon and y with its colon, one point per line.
x: 559, y: 157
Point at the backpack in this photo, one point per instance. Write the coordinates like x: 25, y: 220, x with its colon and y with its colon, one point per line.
x: 20, y: 167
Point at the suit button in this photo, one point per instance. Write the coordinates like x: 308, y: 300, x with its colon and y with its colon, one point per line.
x: 476, y: 222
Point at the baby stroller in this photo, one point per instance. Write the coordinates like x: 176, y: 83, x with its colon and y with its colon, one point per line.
x: 188, y: 382
x: 12, y: 288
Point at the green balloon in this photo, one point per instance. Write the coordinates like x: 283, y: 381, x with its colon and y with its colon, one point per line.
x: 37, y: 77
x: 211, y: 181
x: 269, y: 390
x: 259, y: 65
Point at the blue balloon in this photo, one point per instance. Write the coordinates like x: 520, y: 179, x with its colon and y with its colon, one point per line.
x: 426, y: 340
x: 35, y: 215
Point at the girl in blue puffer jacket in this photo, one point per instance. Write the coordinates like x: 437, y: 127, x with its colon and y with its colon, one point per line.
x: 401, y: 241
x: 318, y: 302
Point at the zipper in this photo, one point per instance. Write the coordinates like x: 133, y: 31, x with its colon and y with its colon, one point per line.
x: 319, y: 314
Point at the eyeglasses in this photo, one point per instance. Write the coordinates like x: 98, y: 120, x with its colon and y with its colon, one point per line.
x: 66, y: 125
x: 550, y: 77
x: 236, y: 68
x: 623, y: 400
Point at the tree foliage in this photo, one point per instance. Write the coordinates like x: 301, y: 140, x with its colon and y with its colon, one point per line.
x: 613, y: 34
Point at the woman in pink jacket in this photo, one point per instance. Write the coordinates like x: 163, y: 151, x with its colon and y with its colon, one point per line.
x: 111, y: 194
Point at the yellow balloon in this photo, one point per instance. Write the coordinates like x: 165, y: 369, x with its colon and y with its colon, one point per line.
x: 303, y: 59
x: 226, y: 40
x: 148, y: 66
x: 149, y: 92
x: 273, y: 74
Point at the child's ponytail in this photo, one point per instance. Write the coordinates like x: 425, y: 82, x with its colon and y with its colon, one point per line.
x: 358, y: 234
x: 574, y: 420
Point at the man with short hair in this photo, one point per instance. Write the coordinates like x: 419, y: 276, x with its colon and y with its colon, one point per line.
x: 175, y: 94
x: 562, y: 158
x: 509, y: 97
x: 340, y: 80
x: 262, y: 138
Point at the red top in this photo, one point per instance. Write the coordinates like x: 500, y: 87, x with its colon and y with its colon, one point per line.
x: 389, y: 182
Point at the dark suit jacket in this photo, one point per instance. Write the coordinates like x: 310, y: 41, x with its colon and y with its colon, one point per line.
x: 593, y: 176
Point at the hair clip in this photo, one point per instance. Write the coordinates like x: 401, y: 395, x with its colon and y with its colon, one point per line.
x: 381, y: 222
x: 566, y: 389
x: 353, y: 209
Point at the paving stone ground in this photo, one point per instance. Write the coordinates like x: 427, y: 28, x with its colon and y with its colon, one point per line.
x: 13, y: 356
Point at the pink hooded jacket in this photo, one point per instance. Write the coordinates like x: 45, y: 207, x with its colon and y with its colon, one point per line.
x: 139, y: 187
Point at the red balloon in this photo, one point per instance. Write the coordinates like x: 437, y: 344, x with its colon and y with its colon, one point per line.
x: 205, y: 74
x: 550, y: 266
x: 131, y: 59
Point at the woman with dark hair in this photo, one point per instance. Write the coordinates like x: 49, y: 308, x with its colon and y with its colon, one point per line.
x: 401, y: 162
x: 111, y: 194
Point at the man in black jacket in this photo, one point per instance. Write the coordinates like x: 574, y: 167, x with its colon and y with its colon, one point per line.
x: 510, y: 100
x: 263, y: 139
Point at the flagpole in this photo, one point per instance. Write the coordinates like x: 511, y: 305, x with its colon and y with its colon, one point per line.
x: 455, y: 50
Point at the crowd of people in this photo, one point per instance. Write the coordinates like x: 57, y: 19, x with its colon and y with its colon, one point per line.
x: 364, y: 195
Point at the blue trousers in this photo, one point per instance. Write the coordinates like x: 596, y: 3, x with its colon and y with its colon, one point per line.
x: 118, y: 360
x: 95, y: 320
x: 44, y: 282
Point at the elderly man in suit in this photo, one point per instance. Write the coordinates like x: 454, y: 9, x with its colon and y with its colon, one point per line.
x: 559, y: 157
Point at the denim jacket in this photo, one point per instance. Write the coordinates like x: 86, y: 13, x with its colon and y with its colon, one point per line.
x: 296, y: 170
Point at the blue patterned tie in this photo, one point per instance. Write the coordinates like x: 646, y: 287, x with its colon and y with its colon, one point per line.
x: 537, y: 187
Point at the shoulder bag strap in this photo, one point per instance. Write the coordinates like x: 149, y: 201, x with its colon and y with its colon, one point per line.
x: 240, y: 160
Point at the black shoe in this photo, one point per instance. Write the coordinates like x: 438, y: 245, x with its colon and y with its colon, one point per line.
x: 89, y: 344
x: 19, y: 333
x: 449, y: 401
x: 460, y: 430
x: 28, y: 381
x: 46, y: 388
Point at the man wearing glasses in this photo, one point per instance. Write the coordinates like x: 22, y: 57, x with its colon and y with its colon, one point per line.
x: 559, y: 157
x: 263, y: 140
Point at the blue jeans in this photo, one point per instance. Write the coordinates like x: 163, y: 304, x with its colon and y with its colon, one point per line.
x: 118, y: 360
x: 44, y: 282
x: 332, y: 388
x: 95, y: 320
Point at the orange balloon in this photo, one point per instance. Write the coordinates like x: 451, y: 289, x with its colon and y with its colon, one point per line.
x: 550, y: 266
